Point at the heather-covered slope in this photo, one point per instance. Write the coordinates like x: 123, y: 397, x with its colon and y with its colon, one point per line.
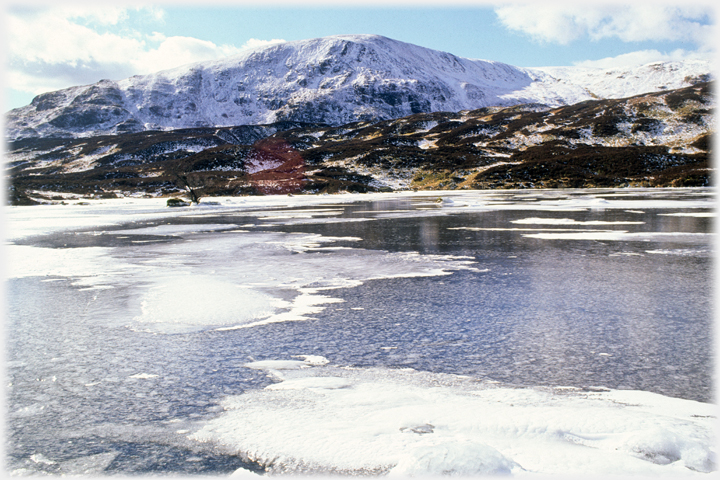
x: 658, y: 139
x: 333, y: 80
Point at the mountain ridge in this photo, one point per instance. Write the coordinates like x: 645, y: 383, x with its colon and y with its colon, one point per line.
x: 334, y: 80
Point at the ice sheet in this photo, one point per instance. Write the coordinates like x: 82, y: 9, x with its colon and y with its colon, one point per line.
x: 284, y: 276
x: 680, y: 251
x: 235, y: 280
x: 403, y: 422
x: 42, y: 219
x: 528, y: 229
x: 569, y: 221
x: 570, y: 201
x: 622, y: 235
x: 192, y: 302
x: 299, y: 309
x: 691, y: 214
x: 23, y: 222
x: 171, y: 229
x: 90, y: 267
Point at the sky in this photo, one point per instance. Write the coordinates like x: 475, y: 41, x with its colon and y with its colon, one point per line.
x: 58, y: 45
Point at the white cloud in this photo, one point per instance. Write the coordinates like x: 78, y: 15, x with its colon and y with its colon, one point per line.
x: 175, y: 51
x: 103, y: 15
x: 548, y: 24
x: 563, y: 23
x: 56, y: 39
x: 55, y: 48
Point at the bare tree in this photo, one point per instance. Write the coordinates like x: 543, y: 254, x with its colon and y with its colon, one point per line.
x: 184, y: 182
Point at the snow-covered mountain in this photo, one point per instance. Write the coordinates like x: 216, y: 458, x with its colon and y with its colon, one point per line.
x: 334, y: 80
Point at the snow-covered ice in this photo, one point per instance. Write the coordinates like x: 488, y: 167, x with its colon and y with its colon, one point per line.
x: 619, y: 235
x: 208, y: 280
x: 403, y: 422
x: 569, y: 221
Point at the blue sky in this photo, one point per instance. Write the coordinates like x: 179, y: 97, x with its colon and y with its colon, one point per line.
x: 76, y: 44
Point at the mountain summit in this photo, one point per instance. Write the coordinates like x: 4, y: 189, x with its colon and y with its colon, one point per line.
x: 332, y: 80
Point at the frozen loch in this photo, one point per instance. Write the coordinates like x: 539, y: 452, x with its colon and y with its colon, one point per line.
x: 519, y: 333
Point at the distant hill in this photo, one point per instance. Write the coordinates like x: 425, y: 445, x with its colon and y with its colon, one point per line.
x: 333, y: 80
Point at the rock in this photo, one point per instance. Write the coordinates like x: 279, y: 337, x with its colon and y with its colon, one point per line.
x: 177, y: 202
